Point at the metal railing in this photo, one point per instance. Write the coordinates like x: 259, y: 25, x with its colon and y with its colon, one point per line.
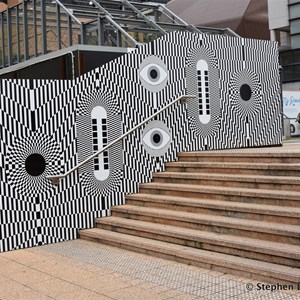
x: 34, y: 28
x: 56, y: 178
x: 143, y: 16
x: 177, y: 20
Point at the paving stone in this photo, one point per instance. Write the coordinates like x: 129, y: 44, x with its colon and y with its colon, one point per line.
x: 86, y: 278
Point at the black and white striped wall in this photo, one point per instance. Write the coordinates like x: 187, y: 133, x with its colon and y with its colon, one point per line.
x: 49, y: 126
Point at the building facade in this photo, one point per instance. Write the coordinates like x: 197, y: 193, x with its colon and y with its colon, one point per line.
x: 284, y: 24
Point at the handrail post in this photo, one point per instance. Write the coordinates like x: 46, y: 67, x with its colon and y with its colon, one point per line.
x: 9, y: 38
x: 82, y: 33
x: 3, y: 39
x: 18, y: 34
x: 25, y: 30
x: 100, y: 31
x: 70, y: 31
x: 56, y: 178
x: 58, y: 26
x: 34, y: 17
x: 44, y: 29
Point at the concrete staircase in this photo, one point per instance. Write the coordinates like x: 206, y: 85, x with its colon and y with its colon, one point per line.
x: 233, y: 212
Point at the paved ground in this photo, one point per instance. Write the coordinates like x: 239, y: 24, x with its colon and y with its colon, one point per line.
x: 85, y: 270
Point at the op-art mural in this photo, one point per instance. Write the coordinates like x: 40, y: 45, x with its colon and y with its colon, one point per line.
x: 49, y: 126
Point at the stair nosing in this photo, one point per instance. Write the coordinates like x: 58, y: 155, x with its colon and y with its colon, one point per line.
x: 264, y: 209
x: 247, y: 153
x: 211, y: 220
x: 232, y: 165
x: 210, y: 238
x: 202, y: 255
x: 286, y: 195
x: 232, y: 177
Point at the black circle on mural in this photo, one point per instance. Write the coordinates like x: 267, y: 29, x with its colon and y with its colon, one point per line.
x: 245, y: 92
x: 156, y: 138
x: 153, y: 73
x: 35, y: 164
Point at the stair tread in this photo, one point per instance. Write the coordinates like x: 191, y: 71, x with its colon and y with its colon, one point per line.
x: 221, y: 204
x: 223, y: 177
x: 269, y: 227
x: 267, y: 166
x: 225, y: 260
x: 223, y: 190
x: 245, y: 153
x: 218, y: 224
x: 292, y: 251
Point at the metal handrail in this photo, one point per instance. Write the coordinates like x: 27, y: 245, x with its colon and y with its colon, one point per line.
x: 55, y: 178
x: 198, y: 29
x: 118, y: 27
x: 108, y: 16
x: 67, y: 11
x: 189, y: 27
x: 147, y: 20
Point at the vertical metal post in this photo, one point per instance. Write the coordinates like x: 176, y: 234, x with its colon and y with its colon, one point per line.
x: 82, y: 33
x: 70, y: 34
x: 156, y: 16
x: 44, y: 25
x: 119, y: 38
x: 9, y: 38
x: 58, y: 26
x: 35, y: 29
x: 25, y: 30
x: 3, y: 39
x: 100, y: 31
x: 125, y: 41
x: 18, y: 34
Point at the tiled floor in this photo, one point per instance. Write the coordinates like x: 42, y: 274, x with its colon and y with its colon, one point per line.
x: 84, y: 270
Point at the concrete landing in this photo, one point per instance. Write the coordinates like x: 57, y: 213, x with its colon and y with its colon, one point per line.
x: 84, y: 270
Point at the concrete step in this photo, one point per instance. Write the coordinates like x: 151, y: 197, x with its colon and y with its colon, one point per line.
x: 258, y: 196
x: 231, y: 180
x: 272, y: 169
x: 277, y: 232
x: 229, y: 244
x: 250, y: 211
x: 241, y: 156
x: 259, y: 270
